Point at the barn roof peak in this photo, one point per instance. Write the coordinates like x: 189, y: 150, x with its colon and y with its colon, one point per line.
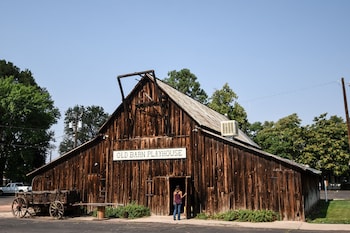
x: 205, y: 117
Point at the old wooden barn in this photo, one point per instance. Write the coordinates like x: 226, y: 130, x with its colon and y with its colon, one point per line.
x: 158, y: 138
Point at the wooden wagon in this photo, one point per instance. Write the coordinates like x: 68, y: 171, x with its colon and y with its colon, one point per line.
x: 55, y: 202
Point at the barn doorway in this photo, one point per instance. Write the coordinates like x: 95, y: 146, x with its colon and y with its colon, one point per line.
x: 182, y: 182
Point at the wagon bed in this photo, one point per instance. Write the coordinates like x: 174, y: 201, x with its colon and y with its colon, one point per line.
x: 57, y: 202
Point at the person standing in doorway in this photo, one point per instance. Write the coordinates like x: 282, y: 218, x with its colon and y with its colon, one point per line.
x: 177, y: 201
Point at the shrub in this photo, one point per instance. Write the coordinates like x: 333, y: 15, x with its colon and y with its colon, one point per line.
x: 136, y: 211
x: 115, y: 212
x: 129, y: 211
x: 202, y: 216
x: 245, y: 216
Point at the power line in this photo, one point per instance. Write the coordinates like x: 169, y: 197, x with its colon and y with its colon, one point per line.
x: 289, y: 92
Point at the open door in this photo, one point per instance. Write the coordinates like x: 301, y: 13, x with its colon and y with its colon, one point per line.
x: 185, y: 186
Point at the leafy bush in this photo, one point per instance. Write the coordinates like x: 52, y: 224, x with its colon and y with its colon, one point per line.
x: 202, y: 216
x: 136, y: 211
x: 245, y: 216
x: 115, y: 212
x: 129, y: 211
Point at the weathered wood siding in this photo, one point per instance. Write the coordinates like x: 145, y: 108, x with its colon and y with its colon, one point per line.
x: 243, y: 179
x: 219, y: 174
x: 155, y: 125
x: 77, y: 171
x: 310, y: 192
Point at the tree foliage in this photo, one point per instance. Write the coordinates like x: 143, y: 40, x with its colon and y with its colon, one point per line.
x: 281, y: 138
x: 322, y: 145
x: 25, y: 77
x: 225, y: 102
x: 81, y: 125
x: 186, y: 82
x: 326, y: 146
x: 222, y: 101
x: 26, y: 114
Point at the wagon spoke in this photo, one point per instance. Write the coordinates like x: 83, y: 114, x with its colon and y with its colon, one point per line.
x: 56, y: 209
x: 19, y: 207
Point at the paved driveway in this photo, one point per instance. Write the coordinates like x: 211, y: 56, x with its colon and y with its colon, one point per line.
x: 336, y: 194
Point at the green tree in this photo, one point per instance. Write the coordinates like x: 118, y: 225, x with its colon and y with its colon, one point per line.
x: 255, y: 128
x: 26, y: 114
x: 81, y: 125
x: 25, y: 77
x: 326, y: 146
x: 322, y: 145
x: 283, y: 138
x: 186, y: 82
x: 225, y: 102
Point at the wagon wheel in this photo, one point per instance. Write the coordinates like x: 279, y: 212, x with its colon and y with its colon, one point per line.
x: 19, y: 207
x: 56, y: 209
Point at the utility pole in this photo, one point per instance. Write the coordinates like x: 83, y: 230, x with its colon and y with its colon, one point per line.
x: 346, y: 110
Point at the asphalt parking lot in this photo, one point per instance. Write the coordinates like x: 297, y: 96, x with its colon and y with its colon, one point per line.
x: 335, y: 194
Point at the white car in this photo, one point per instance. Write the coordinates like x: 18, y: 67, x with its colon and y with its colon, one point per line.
x: 12, y: 188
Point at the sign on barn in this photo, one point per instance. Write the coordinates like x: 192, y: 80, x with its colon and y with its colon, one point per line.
x: 166, y: 153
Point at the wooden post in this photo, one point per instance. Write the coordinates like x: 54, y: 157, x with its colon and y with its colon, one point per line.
x: 346, y: 110
x: 101, y: 212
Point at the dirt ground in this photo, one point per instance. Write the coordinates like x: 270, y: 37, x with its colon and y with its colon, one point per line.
x: 5, y: 203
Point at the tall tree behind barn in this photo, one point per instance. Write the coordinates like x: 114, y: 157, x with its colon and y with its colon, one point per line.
x: 159, y: 138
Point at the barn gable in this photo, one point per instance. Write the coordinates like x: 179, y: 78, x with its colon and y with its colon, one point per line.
x: 204, y: 116
x: 124, y: 163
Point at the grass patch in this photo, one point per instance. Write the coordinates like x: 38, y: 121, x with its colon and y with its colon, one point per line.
x: 333, y: 212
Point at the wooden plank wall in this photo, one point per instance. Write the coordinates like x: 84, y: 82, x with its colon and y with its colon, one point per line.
x: 310, y: 192
x: 240, y: 179
x: 148, y: 132
x: 78, y: 172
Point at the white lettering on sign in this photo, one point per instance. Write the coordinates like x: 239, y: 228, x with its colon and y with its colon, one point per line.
x: 168, y: 153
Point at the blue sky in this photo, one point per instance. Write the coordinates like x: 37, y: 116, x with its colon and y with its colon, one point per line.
x: 280, y: 57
